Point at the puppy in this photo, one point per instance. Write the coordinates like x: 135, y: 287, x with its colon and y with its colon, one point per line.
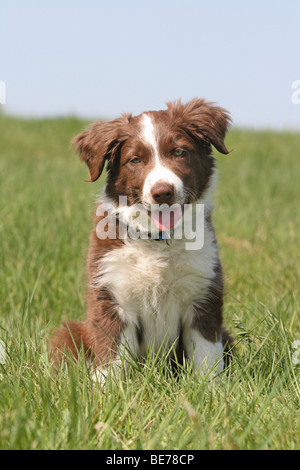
x: 150, y: 283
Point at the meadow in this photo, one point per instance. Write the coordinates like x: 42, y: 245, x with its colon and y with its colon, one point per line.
x: 45, y: 219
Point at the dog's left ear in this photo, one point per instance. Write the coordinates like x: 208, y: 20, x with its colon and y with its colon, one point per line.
x: 205, y: 121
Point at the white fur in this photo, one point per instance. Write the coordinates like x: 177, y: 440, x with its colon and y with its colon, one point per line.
x: 159, y: 172
x: 148, y: 135
x: 204, y: 353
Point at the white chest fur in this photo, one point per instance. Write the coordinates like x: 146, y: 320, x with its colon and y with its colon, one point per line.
x: 156, y: 284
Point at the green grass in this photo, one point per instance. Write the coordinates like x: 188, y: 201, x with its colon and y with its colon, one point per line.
x: 45, y: 219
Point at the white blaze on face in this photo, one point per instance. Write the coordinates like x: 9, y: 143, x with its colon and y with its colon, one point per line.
x: 159, y: 173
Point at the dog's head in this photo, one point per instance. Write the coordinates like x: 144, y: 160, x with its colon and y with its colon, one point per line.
x: 158, y: 157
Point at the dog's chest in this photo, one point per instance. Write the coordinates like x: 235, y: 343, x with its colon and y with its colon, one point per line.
x: 156, y: 284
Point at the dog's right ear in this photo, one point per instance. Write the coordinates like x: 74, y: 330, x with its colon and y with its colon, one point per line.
x: 99, y: 142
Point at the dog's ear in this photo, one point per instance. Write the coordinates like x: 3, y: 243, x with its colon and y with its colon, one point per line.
x: 99, y: 142
x: 204, y: 121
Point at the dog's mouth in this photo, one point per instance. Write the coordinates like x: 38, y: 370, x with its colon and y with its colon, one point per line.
x: 166, y: 217
x: 153, y: 218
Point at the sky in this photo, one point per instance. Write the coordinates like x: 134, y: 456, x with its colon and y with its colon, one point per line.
x: 98, y: 59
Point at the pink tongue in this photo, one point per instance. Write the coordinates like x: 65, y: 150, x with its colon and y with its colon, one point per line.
x: 166, y: 220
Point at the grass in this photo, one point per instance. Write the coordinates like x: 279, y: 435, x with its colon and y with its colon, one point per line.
x: 45, y: 219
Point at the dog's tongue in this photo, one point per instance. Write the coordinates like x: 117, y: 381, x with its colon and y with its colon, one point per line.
x: 166, y: 220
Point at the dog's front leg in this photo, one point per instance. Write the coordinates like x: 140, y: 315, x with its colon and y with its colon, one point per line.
x: 204, y: 348
x: 126, y: 349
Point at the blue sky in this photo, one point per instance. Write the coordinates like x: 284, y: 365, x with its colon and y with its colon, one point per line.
x: 101, y: 58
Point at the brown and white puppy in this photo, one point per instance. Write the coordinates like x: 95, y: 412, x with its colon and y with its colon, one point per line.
x: 151, y: 290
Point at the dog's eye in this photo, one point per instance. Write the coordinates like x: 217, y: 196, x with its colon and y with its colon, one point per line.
x: 178, y: 153
x: 135, y: 160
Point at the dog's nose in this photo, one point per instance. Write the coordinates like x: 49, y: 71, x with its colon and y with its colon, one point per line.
x: 162, y: 193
